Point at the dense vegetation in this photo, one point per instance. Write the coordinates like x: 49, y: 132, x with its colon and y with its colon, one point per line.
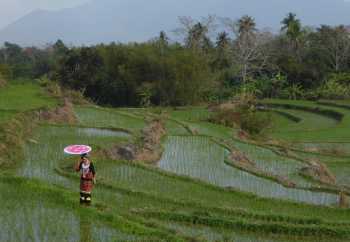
x: 208, y: 65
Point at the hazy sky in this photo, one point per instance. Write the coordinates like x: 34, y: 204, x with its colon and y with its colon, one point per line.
x: 11, y: 10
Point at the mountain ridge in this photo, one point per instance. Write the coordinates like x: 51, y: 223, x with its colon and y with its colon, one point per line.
x: 103, y: 21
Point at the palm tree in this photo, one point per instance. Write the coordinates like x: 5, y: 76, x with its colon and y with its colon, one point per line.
x: 163, y: 38
x: 288, y: 20
x: 292, y: 26
x: 196, y: 36
x: 246, y: 25
x: 222, y: 40
x: 222, y: 59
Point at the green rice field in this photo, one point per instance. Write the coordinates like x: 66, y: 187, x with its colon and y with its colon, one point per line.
x: 191, y: 193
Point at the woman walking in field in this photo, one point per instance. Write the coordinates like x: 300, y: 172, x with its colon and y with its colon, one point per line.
x: 87, y: 178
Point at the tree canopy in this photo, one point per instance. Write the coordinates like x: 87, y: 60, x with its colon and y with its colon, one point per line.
x: 208, y: 65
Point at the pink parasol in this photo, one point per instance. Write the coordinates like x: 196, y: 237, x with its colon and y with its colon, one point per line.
x: 77, y: 149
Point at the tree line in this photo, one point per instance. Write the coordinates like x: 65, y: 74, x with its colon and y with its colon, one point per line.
x: 207, y: 65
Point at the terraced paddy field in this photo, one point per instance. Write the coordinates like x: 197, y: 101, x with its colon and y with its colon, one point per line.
x: 192, y: 193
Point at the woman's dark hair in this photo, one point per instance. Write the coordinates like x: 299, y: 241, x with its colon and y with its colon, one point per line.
x: 84, y: 155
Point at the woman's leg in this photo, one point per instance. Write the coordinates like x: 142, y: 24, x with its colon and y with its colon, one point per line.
x: 82, y: 197
x: 85, y: 191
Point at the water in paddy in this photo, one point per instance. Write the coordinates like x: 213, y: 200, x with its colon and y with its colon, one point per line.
x: 342, y: 172
x: 43, y: 155
x: 28, y: 217
x: 204, y: 233
x: 210, y: 234
x: 29, y: 222
x: 93, y: 132
x: 270, y: 162
x: 198, y: 157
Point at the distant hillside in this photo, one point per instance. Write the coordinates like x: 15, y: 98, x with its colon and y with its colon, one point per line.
x: 139, y: 20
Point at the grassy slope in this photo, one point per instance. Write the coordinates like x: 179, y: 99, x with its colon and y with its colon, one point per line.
x: 315, y: 127
x: 24, y: 97
x: 20, y: 98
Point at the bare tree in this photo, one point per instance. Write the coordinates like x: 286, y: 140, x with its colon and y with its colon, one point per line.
x: 196, y: 33
x: 249, y: 50
x: 335, y: 42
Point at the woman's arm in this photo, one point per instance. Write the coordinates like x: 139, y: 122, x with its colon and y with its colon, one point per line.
x: 92, y: 167
x: 77, y: 166
x: 93, y: 171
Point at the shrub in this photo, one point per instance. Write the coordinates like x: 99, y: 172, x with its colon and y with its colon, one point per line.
x: 53, y: 88
x: 255, y: 123
x: 76, y: 97
x: 333, y: 89
x: 242, y: 113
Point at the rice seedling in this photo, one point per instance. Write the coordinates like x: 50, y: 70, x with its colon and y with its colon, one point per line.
x: 98, y: 117
x: 174, y: 128
x: 192, y: 181
x: 42, y: 156
x: 198, y: 157
x: 123, y: 175
x: 210, y: 234
x: 270, y: 162
x: 22, y: 97
x: 213, y: 130
x: 30, y: 214
x: 308, y: 120
x: 332, y: 122
x: 193, y: 114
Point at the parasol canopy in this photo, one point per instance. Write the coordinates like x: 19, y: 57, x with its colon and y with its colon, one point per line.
x: 77, y: 149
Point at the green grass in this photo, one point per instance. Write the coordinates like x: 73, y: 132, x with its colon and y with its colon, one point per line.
x: 23, y: 97
x: 105, y: 118
x: 193, y: 114
x: 281, y: 120
x: 174, y: 128
x: 330, y: 149
x: 320, y: 123
x: 5, y: 116
x: 213, y: 130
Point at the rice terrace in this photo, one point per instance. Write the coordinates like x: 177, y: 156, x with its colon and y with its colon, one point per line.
x: 219, y: 130
x: 200, y: 189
